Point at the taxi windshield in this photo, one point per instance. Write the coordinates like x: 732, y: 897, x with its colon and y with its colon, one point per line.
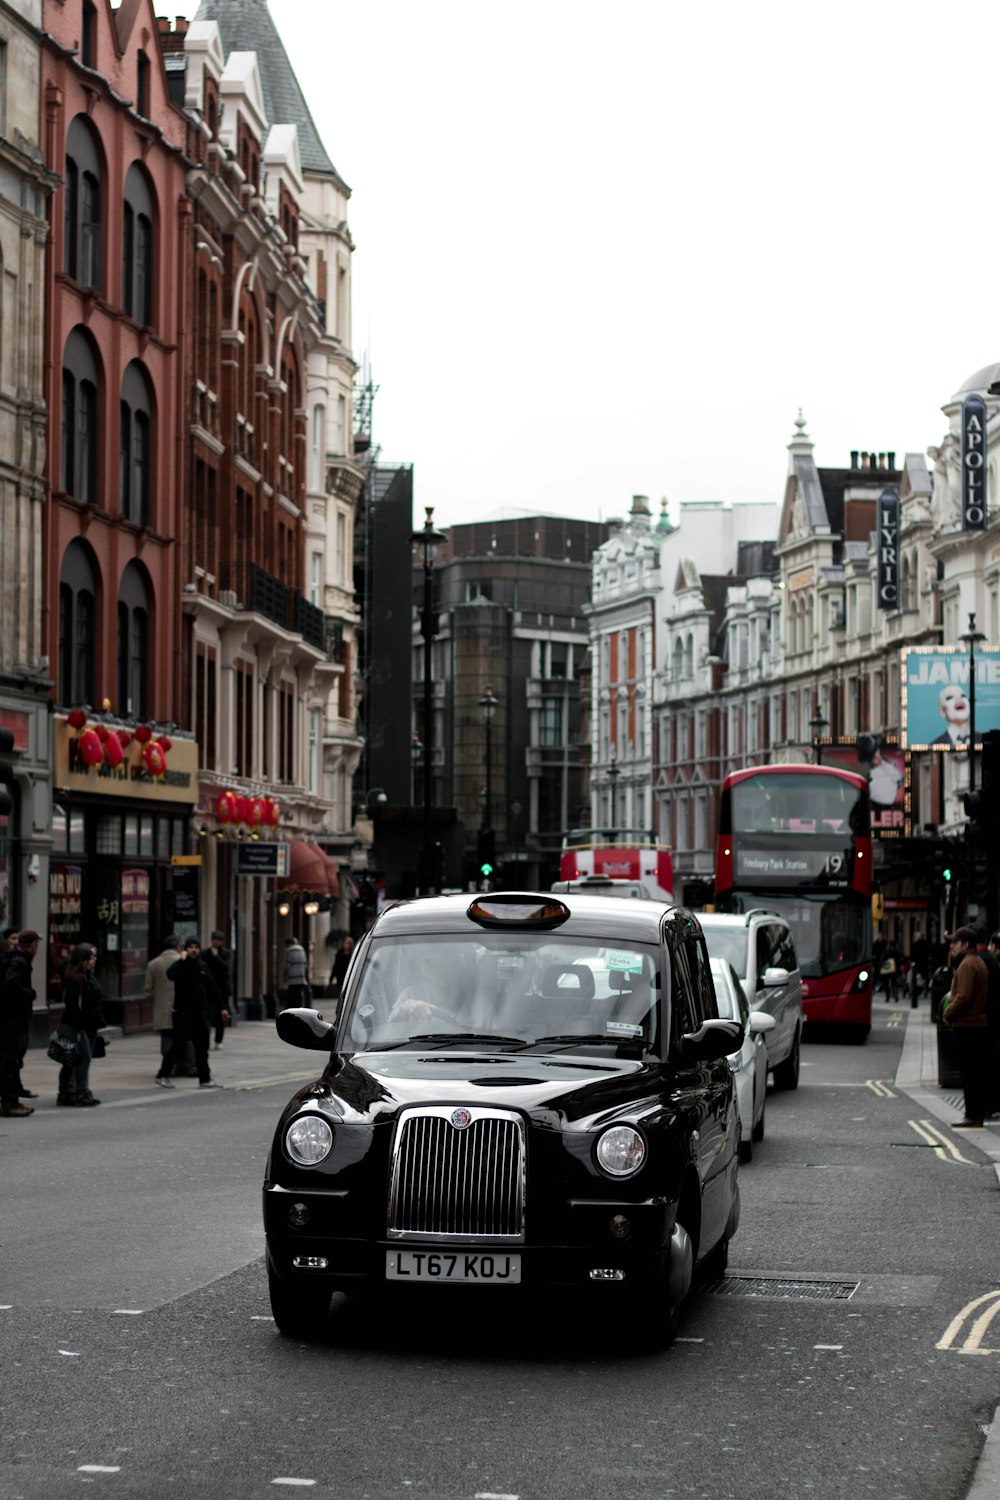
x: 510, y: 989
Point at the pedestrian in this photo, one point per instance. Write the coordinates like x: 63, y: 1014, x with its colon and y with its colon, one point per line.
x: 82, y: 1018
x: 197, y: 1005
x: 987, y: 952
x: 889, y: 970
x: 17, y: 997
x: 219, y: 962
x: 297, y: 991
x: 966, y: 1014
x: 160, y: 990
x: 341, y: 960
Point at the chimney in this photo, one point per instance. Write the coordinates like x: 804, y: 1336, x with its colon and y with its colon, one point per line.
x: 854, y: 458
x: 163, y: 24
x: 864, y: 460
x: 892, y: 458
x: 881, y: 460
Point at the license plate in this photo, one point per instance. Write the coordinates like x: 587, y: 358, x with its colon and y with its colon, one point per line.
x: 453, y: 1265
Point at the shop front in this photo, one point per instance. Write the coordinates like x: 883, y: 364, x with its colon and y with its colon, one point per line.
x: 120, y: 832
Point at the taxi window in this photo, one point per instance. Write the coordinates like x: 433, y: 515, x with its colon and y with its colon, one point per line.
x: 685, y: 991
x: 702, y: 976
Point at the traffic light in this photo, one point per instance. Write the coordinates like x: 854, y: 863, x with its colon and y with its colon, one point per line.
x: 486, y: 849
x: 6, y: 773
x: 944, y: 868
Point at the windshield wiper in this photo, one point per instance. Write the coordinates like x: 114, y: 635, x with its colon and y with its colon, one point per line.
x: 437, y: 1037
x: 567, y: 1037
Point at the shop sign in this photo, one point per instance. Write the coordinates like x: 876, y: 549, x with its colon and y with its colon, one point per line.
x: 262, y: 859
x: 973, y: 464
x: 179, y: 783
x: 888, y: 550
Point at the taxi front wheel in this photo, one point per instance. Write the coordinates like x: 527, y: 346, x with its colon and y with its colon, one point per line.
x: 300, y: 1308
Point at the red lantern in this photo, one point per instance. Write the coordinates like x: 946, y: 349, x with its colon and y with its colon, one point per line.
x: 113, y: 752
x: 165, y: 743
x: 144, y: 734
x: 243, y: 809
x: 273, y: 812
x: 258, y: 810
x: 225, y: 807
x: 77, y: 719
x: 102, y: 733
x: 124, y: 738
x: 89, y: 748
x: 156, y: 761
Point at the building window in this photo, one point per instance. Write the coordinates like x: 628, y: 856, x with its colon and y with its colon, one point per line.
x: 137, y: 247
x: 550, y: 723
x: 135, y: 446
x: 314, y: 750
x: 142, y: 85
x: 316, y: 449
x: 88, y: 39
x: 133, y: 643
x: 79, y: 419
x: 82, y: 205
x: 316, y: 580
x: 77, y: 627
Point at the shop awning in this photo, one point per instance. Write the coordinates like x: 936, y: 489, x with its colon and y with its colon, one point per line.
x: 332, y: 878
x: 307, y: 872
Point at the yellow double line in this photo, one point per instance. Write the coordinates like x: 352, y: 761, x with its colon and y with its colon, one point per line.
x: 944, y: 1147
x: 880, y: 1087
x: 977, y: 1329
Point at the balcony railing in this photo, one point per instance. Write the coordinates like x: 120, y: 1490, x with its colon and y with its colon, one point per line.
x: 263, y: 594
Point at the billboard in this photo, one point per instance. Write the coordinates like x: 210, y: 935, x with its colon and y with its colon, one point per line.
x: 935, y: 696
x: 888, y: 783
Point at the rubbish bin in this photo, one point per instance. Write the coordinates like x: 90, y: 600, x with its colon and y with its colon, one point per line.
x: 948, y: 1075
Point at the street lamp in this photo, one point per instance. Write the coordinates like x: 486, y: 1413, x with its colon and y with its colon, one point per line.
x: 416, y: 756
x: 429, y: 540
x: 971, y: 636
x: 613, y: 775
x: 817, y: 724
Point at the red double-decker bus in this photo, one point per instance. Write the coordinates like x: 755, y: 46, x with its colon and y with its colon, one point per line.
x: 797, y: 840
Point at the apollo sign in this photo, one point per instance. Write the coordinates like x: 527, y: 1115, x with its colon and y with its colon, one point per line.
x: 973, y: 464
x: 888, y: 550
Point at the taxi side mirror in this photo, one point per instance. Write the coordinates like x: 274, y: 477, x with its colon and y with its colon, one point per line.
x: 302, y: 1027
x: 712, y: 1041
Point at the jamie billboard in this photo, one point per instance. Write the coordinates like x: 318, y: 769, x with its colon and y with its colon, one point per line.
x: 937, y: 708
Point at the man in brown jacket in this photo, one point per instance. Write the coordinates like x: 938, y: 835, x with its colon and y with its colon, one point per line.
x: 966, y: 1013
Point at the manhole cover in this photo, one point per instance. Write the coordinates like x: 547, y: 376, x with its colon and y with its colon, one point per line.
x: 778, y: 1286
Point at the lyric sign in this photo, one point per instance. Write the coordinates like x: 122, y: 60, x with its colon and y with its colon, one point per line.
x: 888, y: 550
x: 973, y: 464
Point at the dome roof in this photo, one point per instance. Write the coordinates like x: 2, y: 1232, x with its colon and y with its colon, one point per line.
x: 981, y: 381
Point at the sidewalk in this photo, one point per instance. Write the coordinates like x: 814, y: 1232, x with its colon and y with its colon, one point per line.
x: 917, y: 1076
x: 252, y: 1056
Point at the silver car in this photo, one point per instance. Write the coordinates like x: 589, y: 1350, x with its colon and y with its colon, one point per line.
x: 760, y: 947
x: 749, y: 1064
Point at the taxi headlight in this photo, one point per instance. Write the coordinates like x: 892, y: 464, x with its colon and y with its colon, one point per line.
x: 308, y: 1140
x: 621, y: 1151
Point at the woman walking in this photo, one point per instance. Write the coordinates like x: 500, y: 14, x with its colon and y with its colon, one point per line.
x: 81, y: 1020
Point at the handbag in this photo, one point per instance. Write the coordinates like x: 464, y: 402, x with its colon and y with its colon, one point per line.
x: 98, y: 1047
x: 63, y: 1051
x: 888, y: 966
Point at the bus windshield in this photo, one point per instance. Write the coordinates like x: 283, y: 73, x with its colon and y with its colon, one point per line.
x: 796, y: 804
x: 829, y: 935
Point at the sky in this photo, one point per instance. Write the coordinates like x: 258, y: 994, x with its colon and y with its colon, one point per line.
x: 605, y: 251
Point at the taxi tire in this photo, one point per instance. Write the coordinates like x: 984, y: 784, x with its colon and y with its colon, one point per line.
x: 300, y: 1309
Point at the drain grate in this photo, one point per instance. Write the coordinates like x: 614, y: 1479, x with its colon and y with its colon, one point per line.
x: 786, y: 1290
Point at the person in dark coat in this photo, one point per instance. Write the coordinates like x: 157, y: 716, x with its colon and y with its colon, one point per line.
x: 197, y: 1006
x: 82, y: 1018
x: 219, y: 962
x: 966, y: 1015
x: 17, y: 997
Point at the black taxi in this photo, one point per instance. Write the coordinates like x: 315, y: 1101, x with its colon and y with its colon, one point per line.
x: 523, y: 1090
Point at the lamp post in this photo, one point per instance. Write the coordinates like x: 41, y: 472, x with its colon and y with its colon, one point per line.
x: 613, y: 775
x: 416, y: 757
x: 971, y: 636
x: 817, y: 724
x: 488, y: 704
x: 428, y: 539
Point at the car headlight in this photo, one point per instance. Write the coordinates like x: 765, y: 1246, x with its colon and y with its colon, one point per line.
x: 621, y: 1151
x: 308, y: 1140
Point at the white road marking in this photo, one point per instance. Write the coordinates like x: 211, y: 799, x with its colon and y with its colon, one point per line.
x: 828, y: 1346
x: 490, y: 1495
x: 98, y: 1468
x: 303, y: 1482
x: 6, y: 1306
x: 688, y: 1341
x: 70, y: 1353
x: 260, y: 1318
x: 128, y: 1312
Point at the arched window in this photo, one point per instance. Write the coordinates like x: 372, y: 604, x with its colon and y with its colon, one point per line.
x: 77, y: 626
x: 135, y: 446
x: 678, y: 659
x: 82, y: 206
x: 137, y: 247
x: 689, y: 656
x: 133, y: 643
x: 80, y: 417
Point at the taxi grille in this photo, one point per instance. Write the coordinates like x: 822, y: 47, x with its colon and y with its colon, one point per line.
x: 449, y: 1183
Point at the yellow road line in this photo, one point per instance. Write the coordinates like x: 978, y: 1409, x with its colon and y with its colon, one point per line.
x: 973, y: 1342
x: 948, y: 1144
x: 880, y: 1087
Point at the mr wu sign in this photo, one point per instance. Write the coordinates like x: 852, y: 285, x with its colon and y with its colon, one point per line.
x: 888, y: 550
x: 973, y: 463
